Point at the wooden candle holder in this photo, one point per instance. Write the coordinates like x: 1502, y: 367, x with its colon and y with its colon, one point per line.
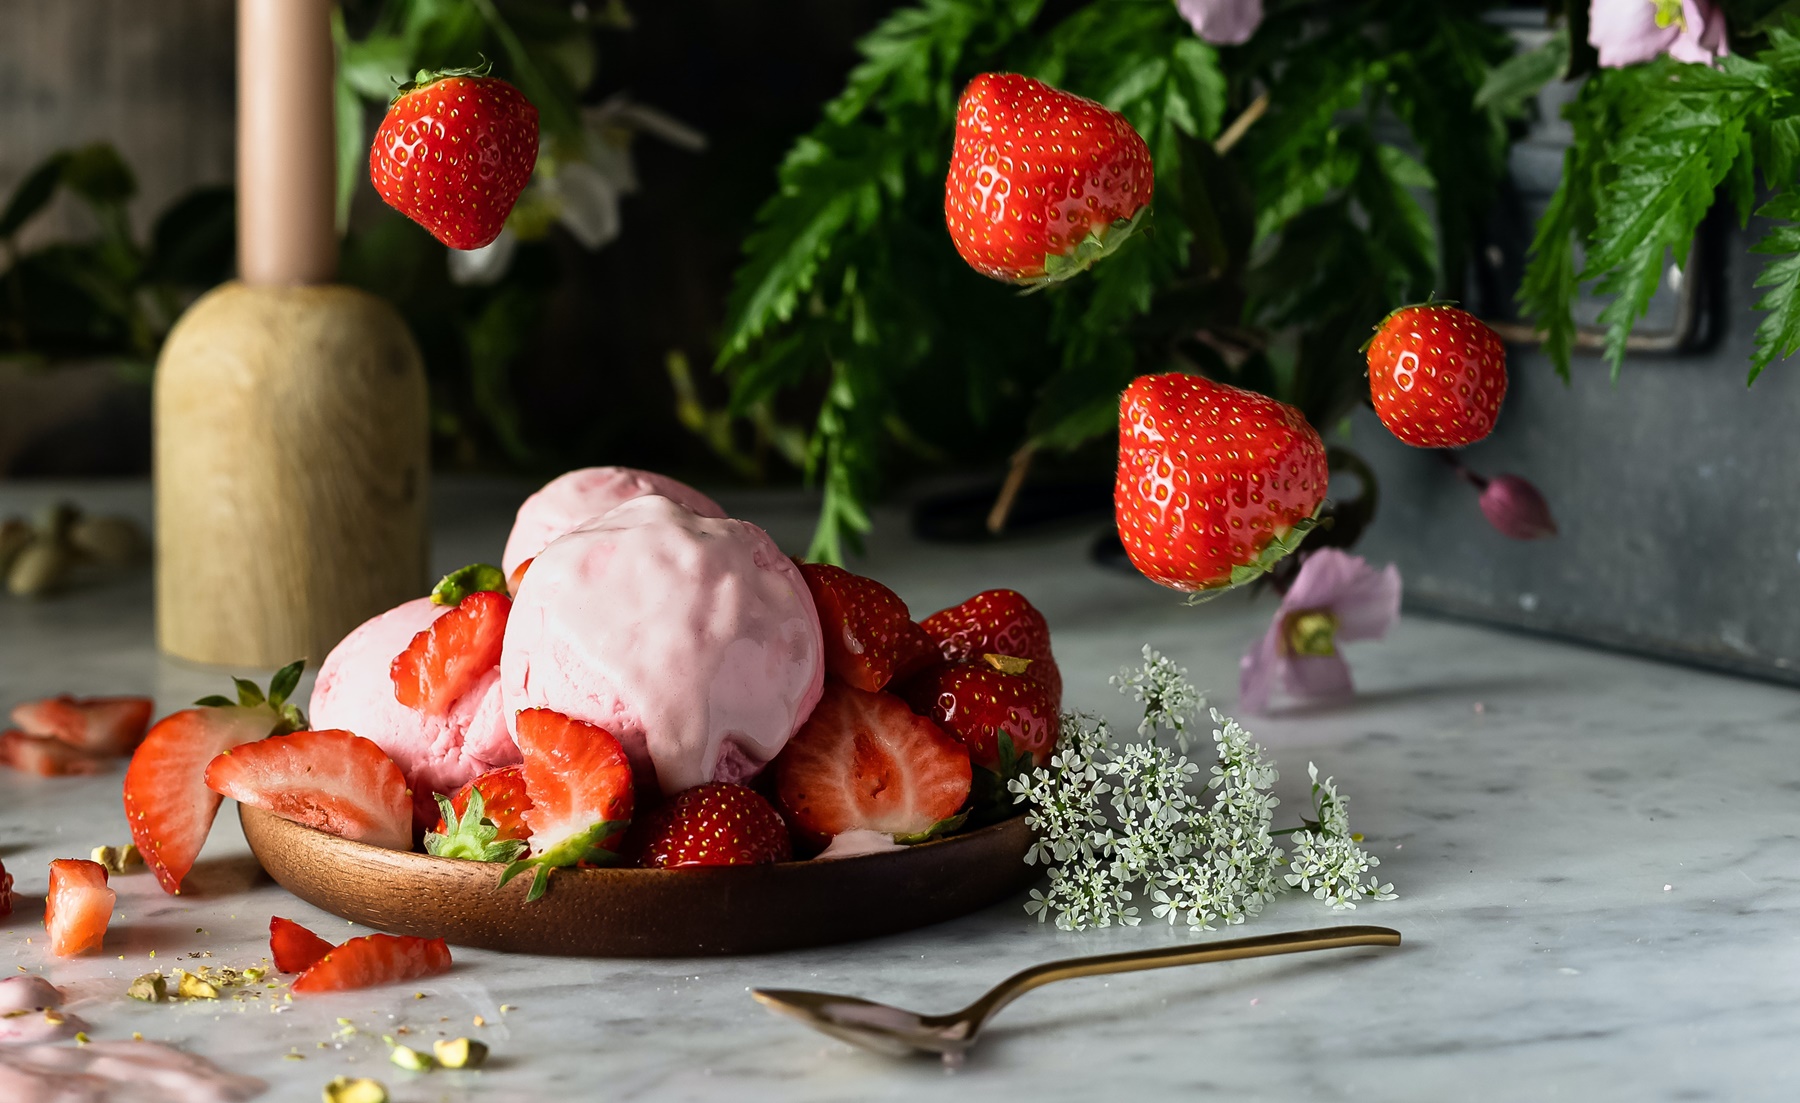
x: 291, y: 454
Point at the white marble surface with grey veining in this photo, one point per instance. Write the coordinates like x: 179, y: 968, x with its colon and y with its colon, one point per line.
x: 1598, y: 856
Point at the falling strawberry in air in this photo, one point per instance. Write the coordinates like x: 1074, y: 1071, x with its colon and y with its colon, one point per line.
x: 1215, y: 483
x: 454, y: 152
x: 1437, y: 375
x: 1042, y: 182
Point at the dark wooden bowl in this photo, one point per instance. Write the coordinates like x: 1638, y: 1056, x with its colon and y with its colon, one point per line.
x: 645, y: 912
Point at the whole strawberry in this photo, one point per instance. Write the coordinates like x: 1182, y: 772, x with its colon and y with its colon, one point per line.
x: 454, y: 152
x: 1215, y: 483
x: 1042, y: 182
x: 715, y: 824
x: 1437, y: 376
x: 1007, y: 721
x: 998, y: 622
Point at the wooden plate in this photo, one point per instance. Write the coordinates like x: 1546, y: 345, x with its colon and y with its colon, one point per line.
x: 645, y: 912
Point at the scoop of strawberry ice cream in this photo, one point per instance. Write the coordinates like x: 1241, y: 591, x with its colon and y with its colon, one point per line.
x: 692, y: 639
x: 573, y: 499
x: 437, y: 754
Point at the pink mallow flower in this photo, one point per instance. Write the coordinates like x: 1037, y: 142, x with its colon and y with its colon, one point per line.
x: 1626, y: 32
x: 1223, y: 22
x: 1335, y: 597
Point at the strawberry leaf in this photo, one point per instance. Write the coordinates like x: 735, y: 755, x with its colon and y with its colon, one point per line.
x: 472, y: 836
x: 584, y: 846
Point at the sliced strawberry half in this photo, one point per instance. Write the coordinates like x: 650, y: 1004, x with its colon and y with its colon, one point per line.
x: 1007, y: 721
x: 870, y: 637
x: 101, y: 725
x: 582, y: 797
x: 374, y: 959
x: 865, y: 760
x: 46, y: 756
x: 451, y: 655
x: 167, y: 804
x: 294, y: 948
x: 999, y: 622
x: 330, y: 780
x: 78, y: 906
x: 715, y: 824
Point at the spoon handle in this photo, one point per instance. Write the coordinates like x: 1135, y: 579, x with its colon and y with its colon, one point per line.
x: 1268, y: 945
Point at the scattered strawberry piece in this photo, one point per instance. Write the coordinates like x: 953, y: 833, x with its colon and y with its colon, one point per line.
x: 505, y: 801
x: 998, y: 622
x: 865, y: 760
x: 374, y: 959
x: 46, y: 756
x: 1215, y: 483
x: 5, y: 892
x: 1437, y: 376
x: 167, y: 804
x: 870, y: 637
x: 449, y: 656
x: 101, y: 725
x: 1007, y: 721
x: 715, y: 824
x: 1042, y: 182
x: 582, y: 798
x: 78, y: 906
x: 453, y: 153
x: 294, y: 948
x: 329, y: 780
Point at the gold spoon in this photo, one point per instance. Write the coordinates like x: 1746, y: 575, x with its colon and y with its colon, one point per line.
x: 899, y: 1033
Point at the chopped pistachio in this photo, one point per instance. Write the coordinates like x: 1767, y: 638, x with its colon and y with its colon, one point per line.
x: 151, y: 988
x: 293, y: 1057
x: 254, y: 974
x: 81, y: 1038
x: 411, y: 1059
x: 343, y: 1089
x: 1007, y: 664
x: 118, y: 859
x: 191, y: 987
x: 460, y: 1053
x: 137, y: 1036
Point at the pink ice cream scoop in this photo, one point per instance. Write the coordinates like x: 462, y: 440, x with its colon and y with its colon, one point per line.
x: 572, y: 500
x: 692, y: 639
x: 355, y: 692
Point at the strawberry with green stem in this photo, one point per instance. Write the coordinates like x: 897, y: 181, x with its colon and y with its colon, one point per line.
x: 471, y: 835
x: 1042, y: 182
x: 453, y: 153
x: 1215, y: 483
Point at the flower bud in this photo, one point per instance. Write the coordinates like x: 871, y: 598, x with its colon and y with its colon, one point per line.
x: 1515, y: 507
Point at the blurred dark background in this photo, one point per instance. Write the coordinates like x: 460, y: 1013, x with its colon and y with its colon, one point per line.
x: 591, y: 382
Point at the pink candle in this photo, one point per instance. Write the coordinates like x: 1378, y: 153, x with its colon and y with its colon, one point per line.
x: 285, y: 150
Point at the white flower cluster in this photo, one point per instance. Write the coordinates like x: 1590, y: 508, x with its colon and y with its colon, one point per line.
x: 1169, y: 699
x: 1120, y: 822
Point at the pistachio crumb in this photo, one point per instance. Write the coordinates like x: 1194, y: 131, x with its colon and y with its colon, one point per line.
x: 343, y: 1089
x: 479, y: 1021
x: 411, y: 1059
x: 460, y: 1053
x: 81, y: 1038
x: 137, y: 1036
x: 418, y: 995
x: 505, y: 1007
x: 293, y: 1057
x: 191, y: 986
x: 151, y: 988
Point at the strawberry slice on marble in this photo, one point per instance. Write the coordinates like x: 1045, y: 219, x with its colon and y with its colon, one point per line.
x: 374, y: 960
x: 78, y: 906
x: 294, y: 948
x: 100, y: 725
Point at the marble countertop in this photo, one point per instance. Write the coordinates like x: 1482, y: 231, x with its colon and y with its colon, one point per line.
x: 1598, y: 859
